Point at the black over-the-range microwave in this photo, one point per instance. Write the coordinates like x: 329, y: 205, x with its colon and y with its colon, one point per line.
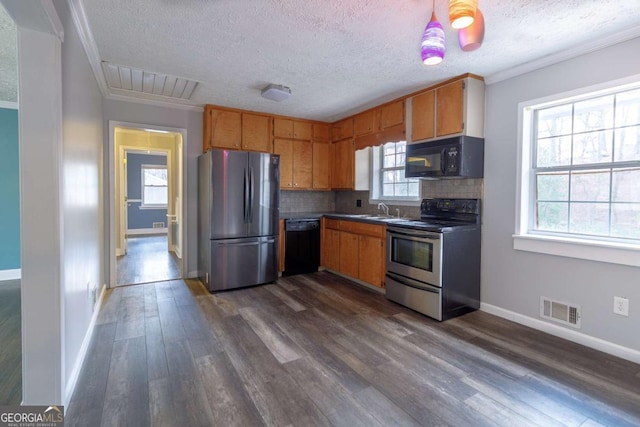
x: 458, y: 157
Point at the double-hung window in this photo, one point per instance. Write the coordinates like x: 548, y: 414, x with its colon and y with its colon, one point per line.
x: 388, y: 180
x: 580, y: 180
x: 154, y: 186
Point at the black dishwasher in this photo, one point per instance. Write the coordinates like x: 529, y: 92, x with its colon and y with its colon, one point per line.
x: 302, y: 246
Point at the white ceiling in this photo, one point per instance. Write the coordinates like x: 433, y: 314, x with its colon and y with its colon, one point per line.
x: 337, y: 56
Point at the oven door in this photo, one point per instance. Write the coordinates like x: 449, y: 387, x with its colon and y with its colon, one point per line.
x: 415, y: 254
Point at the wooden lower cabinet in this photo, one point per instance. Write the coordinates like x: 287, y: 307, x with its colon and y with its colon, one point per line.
x: 371, y: 260
x: 355, y: 249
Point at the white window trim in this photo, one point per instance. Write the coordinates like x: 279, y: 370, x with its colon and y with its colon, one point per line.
x: 524, y: 240
x: 151, y: 206
x: 376, y: 183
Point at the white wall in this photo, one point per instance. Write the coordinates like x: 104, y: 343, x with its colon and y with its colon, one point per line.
x: 515, y: 280
x: 169, y: 117
x: 82, y: 201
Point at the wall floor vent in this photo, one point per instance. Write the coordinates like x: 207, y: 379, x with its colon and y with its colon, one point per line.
x: 561, y: 312
x: 158, y: 225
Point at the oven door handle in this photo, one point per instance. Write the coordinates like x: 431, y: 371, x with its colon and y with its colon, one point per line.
x: 414, y: 283
x: 431, y: 237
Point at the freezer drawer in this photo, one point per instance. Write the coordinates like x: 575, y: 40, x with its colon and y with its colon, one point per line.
x: 418, y: 296
x: 236, y: 263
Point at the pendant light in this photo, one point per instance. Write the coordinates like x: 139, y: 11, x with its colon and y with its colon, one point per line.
x: 462, y: 13
x: 433, y: 41
x: 471, y: 38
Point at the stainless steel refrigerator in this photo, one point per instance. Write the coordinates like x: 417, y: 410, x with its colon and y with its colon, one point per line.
x: 239, y: 208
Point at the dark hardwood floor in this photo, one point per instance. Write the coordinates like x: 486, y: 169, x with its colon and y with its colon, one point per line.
x: 319, y: 350
x: 147, y: 260
x: 10, y: 343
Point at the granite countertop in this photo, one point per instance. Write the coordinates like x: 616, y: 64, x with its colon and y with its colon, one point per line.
x: 374, y: 219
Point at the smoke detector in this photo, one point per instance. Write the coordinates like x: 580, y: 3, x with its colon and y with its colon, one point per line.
x: 276, y: 92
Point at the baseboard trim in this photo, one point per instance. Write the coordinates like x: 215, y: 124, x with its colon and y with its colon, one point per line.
x: 77, y: 367
x: 570, y: 335
x: 142, y: 231
x: 15, y: 274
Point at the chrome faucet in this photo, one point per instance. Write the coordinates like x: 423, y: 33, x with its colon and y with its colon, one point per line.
x: 384, y: 208
x: 398, y: 212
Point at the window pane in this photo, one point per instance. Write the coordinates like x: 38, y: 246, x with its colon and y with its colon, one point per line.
x: 155, y: 196
x: 593, y: 147
x: 387, y: 190
x: 554, y: 152
x: 553, y: 187
x: 628, y: 108
x: 389, y: 161
x: 388, y: 177
x: 413, y: 188
x: 389, y: 149
x: 593, y: 114
x: 625, y: 186
x: 590, y: 186
x: 552, y: 216
x: 155, y: 176
x: 400, y: 159
x: 554, y: 121
x: 625, y: 218
x: 589, y: 218
x: 401, y: 190
x: 627, y: 144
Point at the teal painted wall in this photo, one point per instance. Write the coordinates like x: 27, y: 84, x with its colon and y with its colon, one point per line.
x: 9, y: 191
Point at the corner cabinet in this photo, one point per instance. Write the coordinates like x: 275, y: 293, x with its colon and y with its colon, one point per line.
x: 454, y: 108
x: 342, y: 164
x: 355, y: 249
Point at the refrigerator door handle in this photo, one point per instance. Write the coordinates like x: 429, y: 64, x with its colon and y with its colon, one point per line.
x: 256, y: 243
x: 251, y: 187
x: 246, y: 196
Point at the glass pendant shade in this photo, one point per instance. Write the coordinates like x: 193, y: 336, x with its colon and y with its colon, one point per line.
x: 470, y: 38
x: 462, y: 13
x: 433, y: 42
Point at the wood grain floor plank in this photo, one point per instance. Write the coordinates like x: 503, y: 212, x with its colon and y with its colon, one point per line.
x: 282, y: 348
x: 286, y: 298
x: 156, y: 359
x: 172, y: 329
x: 162, y: 412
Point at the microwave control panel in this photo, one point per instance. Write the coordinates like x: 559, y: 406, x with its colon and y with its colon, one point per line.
x: 451, y: 161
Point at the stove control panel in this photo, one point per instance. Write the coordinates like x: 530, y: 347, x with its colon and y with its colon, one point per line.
x: 451, y: 206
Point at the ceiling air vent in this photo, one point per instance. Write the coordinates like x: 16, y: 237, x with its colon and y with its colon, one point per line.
x: 133, y: 80
x: 568, y: 314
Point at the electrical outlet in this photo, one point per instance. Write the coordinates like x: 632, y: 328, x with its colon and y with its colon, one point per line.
x: 621, y: 306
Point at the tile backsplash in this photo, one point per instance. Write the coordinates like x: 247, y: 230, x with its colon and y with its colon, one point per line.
x: 307, y: 201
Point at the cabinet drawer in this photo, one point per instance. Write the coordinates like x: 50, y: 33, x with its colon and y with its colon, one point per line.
x: 332, y: 223
x: 363, y: 228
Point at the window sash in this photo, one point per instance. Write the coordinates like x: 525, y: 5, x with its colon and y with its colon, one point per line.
x: 151, y: 186
x: 406, y: 181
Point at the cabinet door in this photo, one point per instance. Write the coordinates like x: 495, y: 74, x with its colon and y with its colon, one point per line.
x: 363, y: 123
x: 423, y: 116
x: 449, y: 104
x: 281, y: 246
x: 302, y: 130
x: 321, y: 132
x: 302, y: 164
x: 321, y: 166
x: 224, y: 129
x: 342, y: 130
x: 284, y: 148
x: 342, y: 164
x: 282, y: 128
x: 256, y: 134
x: 349, y: 254
x: 371, y: 260
x: 331, y: 249
x: 392, y: 114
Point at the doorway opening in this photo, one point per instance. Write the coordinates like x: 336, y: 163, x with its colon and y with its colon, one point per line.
x: 147, y: 204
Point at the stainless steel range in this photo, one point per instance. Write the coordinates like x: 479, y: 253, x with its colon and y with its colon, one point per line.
x: 433, y: 264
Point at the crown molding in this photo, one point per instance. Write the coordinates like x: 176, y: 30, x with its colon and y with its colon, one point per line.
x: 54, y: 19
x: 157, y: 103
x: 9, y: 105
x: 564, y: 55
x: 81, y: 22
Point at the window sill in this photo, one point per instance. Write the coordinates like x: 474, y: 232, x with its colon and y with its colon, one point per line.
x: 593, y: 250
x: 152, y: 207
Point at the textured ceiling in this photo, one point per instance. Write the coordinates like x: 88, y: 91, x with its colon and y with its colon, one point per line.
x: 8, y: 59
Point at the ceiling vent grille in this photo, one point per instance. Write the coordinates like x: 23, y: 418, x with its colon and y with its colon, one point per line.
x: 134, y: 80
x: 568, y: 314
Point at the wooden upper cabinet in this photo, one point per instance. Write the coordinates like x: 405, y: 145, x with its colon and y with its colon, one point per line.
x: 342, y: 130
x: 423, y: 116
x: 282, y: 128
x: 363, y: 123
x: 449, y: 108
x: 301, y: 130
x: 256, y: 132
x: 321, y: 166
x: 342, y: 164
x: 284, y: 147
x: 302, y: 164
x: 391, y: 115
x: 222, y: 129
x: 321, y: 132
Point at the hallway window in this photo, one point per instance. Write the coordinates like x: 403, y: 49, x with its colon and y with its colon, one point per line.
x: 154, y: 186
